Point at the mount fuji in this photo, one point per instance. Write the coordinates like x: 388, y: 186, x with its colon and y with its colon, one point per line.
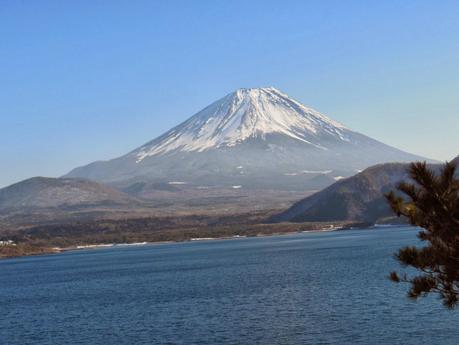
x: 251, y: 138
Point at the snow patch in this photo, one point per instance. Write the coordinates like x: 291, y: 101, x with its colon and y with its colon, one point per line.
x: 304, y: 172
x: 316, y: 171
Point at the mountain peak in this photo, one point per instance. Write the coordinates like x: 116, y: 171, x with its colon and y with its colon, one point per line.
x: 252, y: 90
x: 252, y: 137
x: 244, y: 114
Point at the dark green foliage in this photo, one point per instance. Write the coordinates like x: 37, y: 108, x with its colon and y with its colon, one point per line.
x: 432, y: 203
x: 45, y: 237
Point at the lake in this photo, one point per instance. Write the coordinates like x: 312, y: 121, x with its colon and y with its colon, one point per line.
x: 308, y: 288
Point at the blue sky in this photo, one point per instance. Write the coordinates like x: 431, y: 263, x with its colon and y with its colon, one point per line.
x: 91, y: 80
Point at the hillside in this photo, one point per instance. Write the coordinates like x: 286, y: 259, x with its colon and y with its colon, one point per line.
x: 357, y: 198
x: 44, y: 192
x: 360, y: 197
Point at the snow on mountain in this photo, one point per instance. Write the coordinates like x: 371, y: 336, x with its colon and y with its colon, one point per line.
x: 244, y: 114
x: 253, y: 138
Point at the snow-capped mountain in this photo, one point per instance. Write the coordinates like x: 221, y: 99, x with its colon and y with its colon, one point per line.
x: 245, y: 114
x: 257, y: 137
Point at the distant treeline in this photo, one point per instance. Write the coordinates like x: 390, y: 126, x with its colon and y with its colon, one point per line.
x: 155, y: 229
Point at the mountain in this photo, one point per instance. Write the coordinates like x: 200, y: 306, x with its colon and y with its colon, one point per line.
x: 251, y: 138
x: 357, y: 198
x: 43, y: 192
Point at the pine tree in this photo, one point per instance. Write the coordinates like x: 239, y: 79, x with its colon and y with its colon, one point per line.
x: 432, y: 203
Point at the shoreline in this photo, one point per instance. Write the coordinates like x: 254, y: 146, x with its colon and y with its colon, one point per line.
x: 35, y: 250
x: 59, y: 250
x: 194, y: 239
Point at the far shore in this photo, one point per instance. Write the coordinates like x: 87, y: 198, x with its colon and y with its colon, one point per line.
x: 43, y: 250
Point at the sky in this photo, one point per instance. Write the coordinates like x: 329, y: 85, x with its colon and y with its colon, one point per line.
x: 92, y: 80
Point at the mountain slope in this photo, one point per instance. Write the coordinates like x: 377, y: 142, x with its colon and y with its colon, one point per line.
x: 245, y: 114
x: 43, y: 192
x: 357, y: 198
x: 253, y: 138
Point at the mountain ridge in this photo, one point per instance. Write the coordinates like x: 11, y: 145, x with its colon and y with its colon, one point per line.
x: 357, y: 198
x: 253, y: 138
x: 48, y: 192
x: 243, y: 114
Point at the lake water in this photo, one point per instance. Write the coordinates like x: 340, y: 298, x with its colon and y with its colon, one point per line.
x: 310, y: 288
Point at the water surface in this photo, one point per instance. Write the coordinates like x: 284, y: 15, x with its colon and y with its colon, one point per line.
x: 310, y: 288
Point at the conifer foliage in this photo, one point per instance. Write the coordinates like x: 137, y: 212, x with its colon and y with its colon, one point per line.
x: 431, y: 202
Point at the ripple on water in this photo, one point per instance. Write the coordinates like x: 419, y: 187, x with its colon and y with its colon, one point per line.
x: 309, y: 288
